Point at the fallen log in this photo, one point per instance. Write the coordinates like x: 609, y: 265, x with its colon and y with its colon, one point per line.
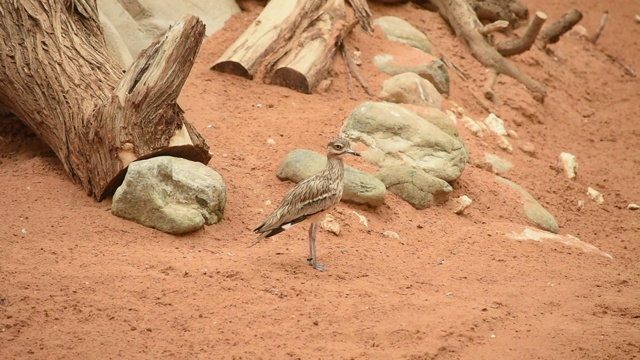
x: 58, y: 78
x: 292, y: 43
x: 309, y: 60
x: 273, y: 29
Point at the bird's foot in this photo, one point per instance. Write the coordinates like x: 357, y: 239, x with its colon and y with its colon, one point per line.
x: 316, y: 265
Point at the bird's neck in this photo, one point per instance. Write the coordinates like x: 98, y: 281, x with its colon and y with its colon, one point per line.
x: 335, y: 167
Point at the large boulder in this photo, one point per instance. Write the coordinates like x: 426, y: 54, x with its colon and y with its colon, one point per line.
x: 359, y: 187
x: 415, y: 186
x: 396, y: 136
x: 171, y: 194
x: 397, y: 29
x: 436, y: 117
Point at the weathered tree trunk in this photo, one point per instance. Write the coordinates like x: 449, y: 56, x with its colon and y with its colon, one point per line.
x: 58, y: 78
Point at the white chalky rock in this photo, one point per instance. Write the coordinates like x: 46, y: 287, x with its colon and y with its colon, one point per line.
x: 460, y: 204
x: 569, y: 163
x: 473, y: 126
x: 330, y: 224
x: 595, y: 195
x: 495, y: 124
x: 504, y: 144
x: 633, y: 207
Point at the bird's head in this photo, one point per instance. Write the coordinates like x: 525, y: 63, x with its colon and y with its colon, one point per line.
x: 340, y: 146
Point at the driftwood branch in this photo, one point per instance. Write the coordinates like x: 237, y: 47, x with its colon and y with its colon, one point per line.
x: 603, y: 22
x: 493, y: 27
x: 59, y: 79
x: 353, y: 69
x: 551, y: 33
x: 363, y: 14
x: 520, y: 45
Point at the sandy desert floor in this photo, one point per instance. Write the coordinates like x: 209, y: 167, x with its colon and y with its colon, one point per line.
x: 77, y: 282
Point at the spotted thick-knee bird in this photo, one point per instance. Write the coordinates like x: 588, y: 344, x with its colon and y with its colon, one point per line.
x: 309, y: 199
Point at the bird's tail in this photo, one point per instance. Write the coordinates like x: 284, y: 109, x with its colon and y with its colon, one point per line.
x: 260, y: 237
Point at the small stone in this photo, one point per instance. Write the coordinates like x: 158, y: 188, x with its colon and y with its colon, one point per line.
x: 391, y: 234
x: 504, y: 144
x: 496, y: 164
x: 512, y: 134
x: 330, y: 224
x: 460, y: 204
x: 633, y: 206
x: 495, y: 124
x: 527, y: 148
x: 448, y: 293
x: 267, y: 203
x: 271, y: 142
x: 595, y: 195
x: 493, y: 336
x: 569, y: 164
x: 580, y: 204
x: 638, y: 19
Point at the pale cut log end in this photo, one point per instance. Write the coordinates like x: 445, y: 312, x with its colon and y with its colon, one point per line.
x: 232, y: 67
x: 291, y: 79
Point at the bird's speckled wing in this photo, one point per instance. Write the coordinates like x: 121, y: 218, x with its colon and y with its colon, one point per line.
x: 309, y: 197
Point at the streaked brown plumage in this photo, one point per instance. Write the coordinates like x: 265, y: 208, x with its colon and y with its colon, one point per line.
x: 309, y: 199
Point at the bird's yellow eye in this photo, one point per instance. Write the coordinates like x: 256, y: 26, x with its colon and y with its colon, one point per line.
x: 338, y: 147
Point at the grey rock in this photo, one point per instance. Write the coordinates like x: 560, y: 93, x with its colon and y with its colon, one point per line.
x: 397, y: 29
x: 359, y: 187
x: 171, y: 194
x: 415, y: 186
x: 417, y: 62
x: 396, y: 136
x: 535, y: 212
x: 410, y: 88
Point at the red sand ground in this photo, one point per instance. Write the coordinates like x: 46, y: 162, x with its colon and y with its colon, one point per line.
x: 78, y: 282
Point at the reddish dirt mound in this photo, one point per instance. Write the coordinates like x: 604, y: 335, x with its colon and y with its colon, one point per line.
x: 78, y: 282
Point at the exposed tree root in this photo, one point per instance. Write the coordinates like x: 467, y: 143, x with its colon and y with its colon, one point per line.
x: 466, y: 25
x: 520, y: 45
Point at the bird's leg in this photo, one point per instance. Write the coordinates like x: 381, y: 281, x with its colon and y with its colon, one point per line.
x: 313, y: 254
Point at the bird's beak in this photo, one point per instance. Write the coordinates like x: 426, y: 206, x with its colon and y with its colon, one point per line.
x: 353, y: 152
